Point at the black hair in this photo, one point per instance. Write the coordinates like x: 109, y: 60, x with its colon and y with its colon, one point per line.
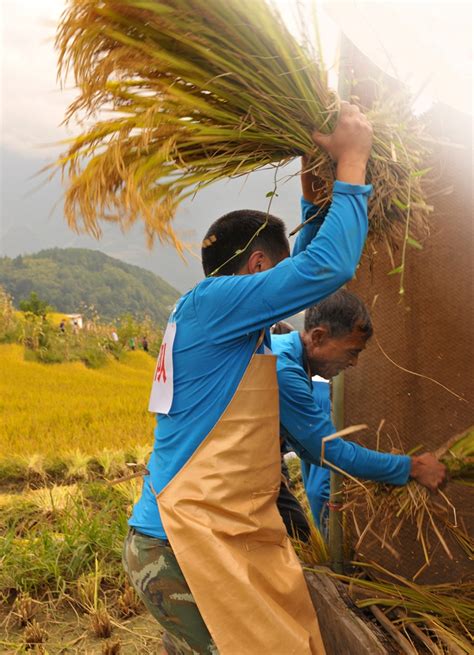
x: 340, y: 313
x: 231, y: 240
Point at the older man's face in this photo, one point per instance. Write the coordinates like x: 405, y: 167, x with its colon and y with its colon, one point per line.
x: 328, y: 356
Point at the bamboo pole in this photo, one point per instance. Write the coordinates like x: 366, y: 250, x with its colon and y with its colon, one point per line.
x: 336, y: 530
x: 336, y: 534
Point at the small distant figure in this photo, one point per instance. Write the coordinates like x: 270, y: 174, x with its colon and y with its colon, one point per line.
x: 145, y: 344
x: 115, y: 336
x: 131, y: 343
x: 62, y: 325
x: 75, y: 326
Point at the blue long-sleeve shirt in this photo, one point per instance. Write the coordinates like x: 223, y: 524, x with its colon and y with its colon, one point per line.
x: 316, y: 479
x: 305, y: 424
x: 217, y: 327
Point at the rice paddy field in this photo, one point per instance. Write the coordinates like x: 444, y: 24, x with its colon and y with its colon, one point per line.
x: 50, y: 411
x: 66, y: 431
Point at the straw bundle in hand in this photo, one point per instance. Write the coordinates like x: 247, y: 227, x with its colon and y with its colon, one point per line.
x: 182, y: 93
x: 386, y: 508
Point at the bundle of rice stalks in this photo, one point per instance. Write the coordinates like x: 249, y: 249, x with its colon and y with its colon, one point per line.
x: 314, y: 551
x: 458, y: 455
x: 385, y: 509
x: 188, y: 92
x: 444, y: 613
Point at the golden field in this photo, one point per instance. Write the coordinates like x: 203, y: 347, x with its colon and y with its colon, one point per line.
x: 50, y: 410
x: 64, y: 430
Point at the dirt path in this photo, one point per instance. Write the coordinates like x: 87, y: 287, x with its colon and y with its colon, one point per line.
x: 68, y: 633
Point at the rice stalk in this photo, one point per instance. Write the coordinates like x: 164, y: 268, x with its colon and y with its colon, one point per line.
x: 25, y: 609
x: 458, y: 455
x: 447, y: 609
x: 386, y: 508
x: 34, y: 637
x: 111, y: 462
x: 313, y: 552
x: 174, y: 95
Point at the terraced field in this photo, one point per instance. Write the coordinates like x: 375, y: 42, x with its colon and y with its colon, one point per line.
x: 66, y: 431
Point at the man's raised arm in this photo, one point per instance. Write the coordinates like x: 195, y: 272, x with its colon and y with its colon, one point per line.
x: 329, y: 260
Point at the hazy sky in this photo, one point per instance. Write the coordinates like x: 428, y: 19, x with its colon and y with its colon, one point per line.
x: 32, y: 102
x: 423, y: 42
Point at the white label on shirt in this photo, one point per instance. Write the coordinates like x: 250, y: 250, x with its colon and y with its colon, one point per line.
x: 161, y: 397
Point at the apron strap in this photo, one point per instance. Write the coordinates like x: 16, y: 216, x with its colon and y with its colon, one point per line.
x: 260, y: 340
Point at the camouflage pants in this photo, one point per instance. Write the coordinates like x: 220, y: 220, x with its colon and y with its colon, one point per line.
x: 154, y: 572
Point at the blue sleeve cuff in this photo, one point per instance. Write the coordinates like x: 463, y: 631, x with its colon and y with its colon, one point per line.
x: 352, y: 189
x: 308, y: 209
x: 405, y: 473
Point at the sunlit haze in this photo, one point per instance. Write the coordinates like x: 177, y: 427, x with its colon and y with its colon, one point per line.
x: 426, y: 44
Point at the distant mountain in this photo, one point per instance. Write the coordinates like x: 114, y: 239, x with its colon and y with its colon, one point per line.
x: 69, y: 278
x: 31, y: 217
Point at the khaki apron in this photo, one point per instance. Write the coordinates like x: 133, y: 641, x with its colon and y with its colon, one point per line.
x: 221, y: 519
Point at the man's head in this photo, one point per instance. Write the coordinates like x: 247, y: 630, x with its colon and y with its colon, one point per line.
x: 336, y: 331
x: 243, y: 242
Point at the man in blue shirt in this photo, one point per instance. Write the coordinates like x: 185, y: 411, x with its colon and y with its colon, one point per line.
x: 202, y: 512
x: 336, y: 331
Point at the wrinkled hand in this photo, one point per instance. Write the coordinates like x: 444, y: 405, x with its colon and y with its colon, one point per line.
x: 428, y: 471
x: 349, y: 145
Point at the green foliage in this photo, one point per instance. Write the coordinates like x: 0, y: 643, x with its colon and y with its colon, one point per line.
x: 129, y: 329
x: 10, y: 327
x: 35, y: 305
x: 49, y: 343
x: 53, y: 536
x: 72, y: 278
